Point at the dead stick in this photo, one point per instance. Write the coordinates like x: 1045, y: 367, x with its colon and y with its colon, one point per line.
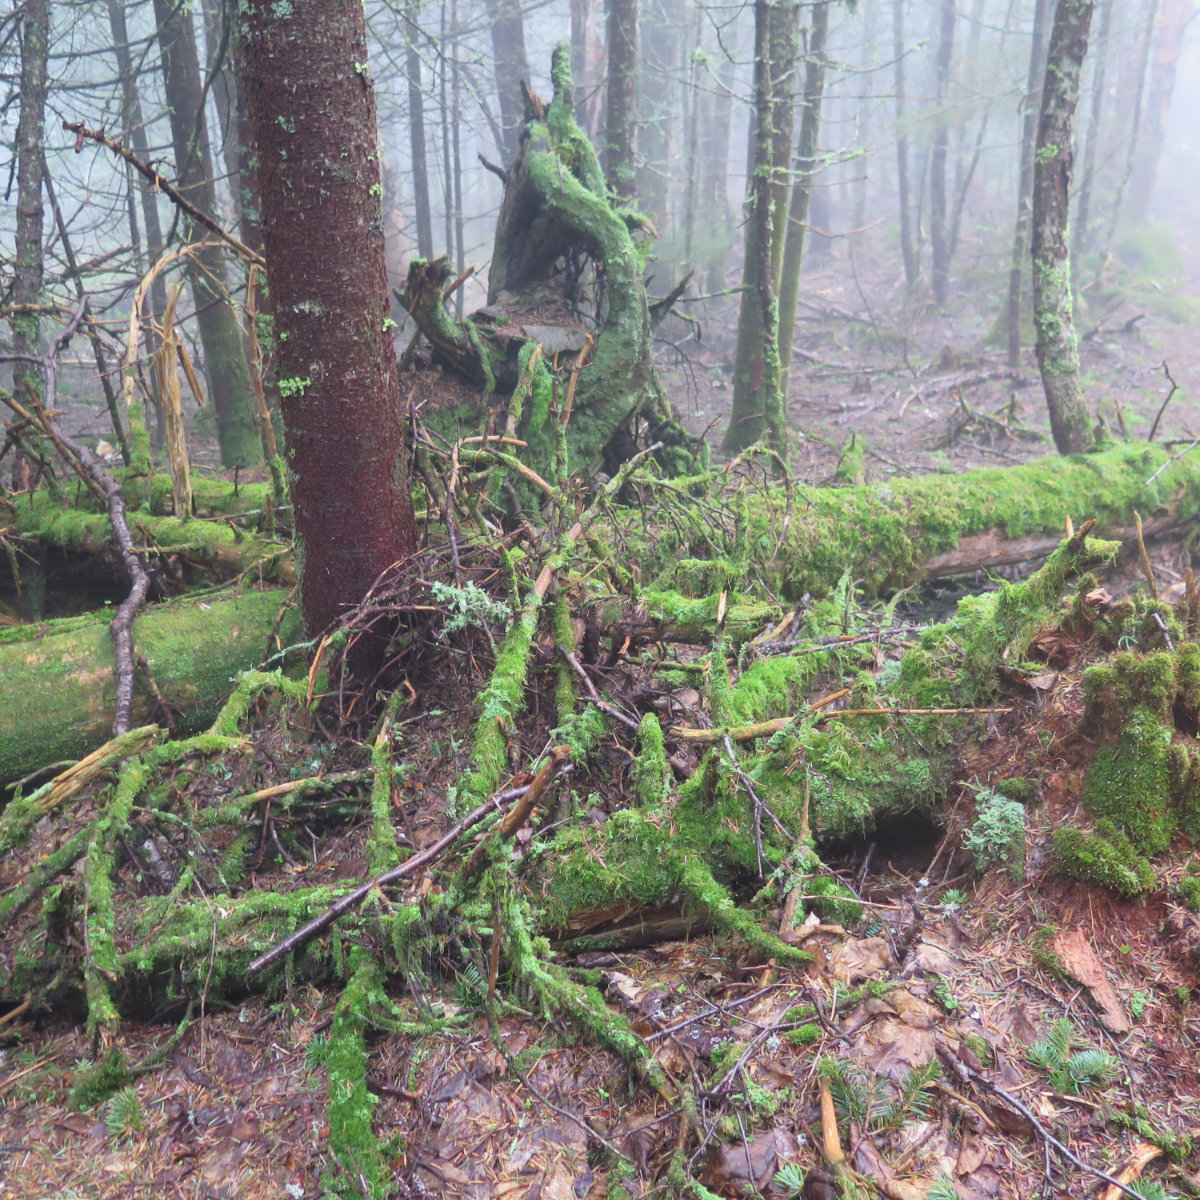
x: 98, y: 135
x: 352, y: 899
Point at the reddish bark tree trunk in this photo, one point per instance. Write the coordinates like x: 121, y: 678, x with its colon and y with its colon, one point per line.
x: 312, y: 110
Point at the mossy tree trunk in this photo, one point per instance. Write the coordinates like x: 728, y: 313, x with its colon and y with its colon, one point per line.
x: 1057, y: 346
x: 759, y: 405
x: 619, y: 164
x: 566, y: 261
x: 312, y: 109
x: 805, y: 169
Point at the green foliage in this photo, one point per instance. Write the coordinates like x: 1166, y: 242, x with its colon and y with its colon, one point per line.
x: 95, y: 1082
x: 123, y: 1115
x: 1071, y: 1072
x: 997, y: 834
x: 790, y: 1180
x: 943, y: 1188
x: 832, y: 900
x: 865, y: 1099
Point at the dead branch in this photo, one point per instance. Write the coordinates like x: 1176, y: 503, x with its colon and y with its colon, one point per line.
x: 160, y: 184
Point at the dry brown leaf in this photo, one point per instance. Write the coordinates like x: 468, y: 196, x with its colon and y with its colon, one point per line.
x: 1079, y: 961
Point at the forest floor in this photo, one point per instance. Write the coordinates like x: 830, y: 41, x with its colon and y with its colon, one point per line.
x: 979, y: 967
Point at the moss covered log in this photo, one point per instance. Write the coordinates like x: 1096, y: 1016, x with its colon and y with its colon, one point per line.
x: 888, y: 535
x: 59, y: 684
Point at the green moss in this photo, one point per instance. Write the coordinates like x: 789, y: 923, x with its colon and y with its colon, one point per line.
x: 361, y: 1170
x: 832, y: 900
x: 652, y: 777
x: 805, y: 1035
x: 1106, y: 858
x: 95, y: 1082
x: 1188, y: 892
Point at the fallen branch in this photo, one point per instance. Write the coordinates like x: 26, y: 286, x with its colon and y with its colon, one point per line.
x: 967, y: 1074
x: 409, y: 867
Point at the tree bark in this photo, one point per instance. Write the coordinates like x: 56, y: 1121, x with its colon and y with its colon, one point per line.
x: 619, y: 164
x: 225, y: 362
x: 1016, y: 271
x: 1057, y: 346
x: 312, y: 109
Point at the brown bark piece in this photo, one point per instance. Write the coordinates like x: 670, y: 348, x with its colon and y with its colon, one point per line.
x: 1081, y: 964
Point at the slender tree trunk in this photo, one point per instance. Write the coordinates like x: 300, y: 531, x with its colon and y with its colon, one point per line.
x: 908, y: 247
x: 660, y: 49
x: 512, y: 68
x: 27, y: 267
x: 456, y: 153
x: 416, y: 130
x: 1016, y: 271
x: 1057, y: 347
x: 619, y: 164
x: 224, y: 352
x: 1080, y: 232
x: 804, y: 170
x: 1173, y: 21
x: 759, y: 407
x: 1136, y: 148
x: 939, y: 232
x: 716, y: 120
x: 312, y: 110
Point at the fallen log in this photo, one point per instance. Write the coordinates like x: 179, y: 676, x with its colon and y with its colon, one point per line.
x: 58, y: 680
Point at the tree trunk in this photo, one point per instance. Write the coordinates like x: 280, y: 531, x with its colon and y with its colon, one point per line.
x: 27, y: 265
x: 759, y: 407
x: 133, y: 133
x: 939, y: 233
x: 1173, y: 22
x: 1016, y: 271
x: 1135, y: 143
x: 512, y: 69
x: 908, y: 246
x: 312, y: 109
x: 804, y: 170
x: 619, y: 164
x: 660, y: 51
x: 416, y: 131
x: 1081, y: 229
x: 225, y: 362
x: 1057, y: 347
x: 713, y: 209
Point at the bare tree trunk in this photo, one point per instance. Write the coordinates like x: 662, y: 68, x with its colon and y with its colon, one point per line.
x: 907, y: 244
x: 224, y: 353
x: 512, y: 68
x: 1057, y: 347
x: 312, y: 110
x: 1081, y: 229
x: 1016, y: 269
x: 804, y: 170
x: 939, y: 233
x: 416, y: 130
x: 619, y: 165
x: 716, y: 122
x: 759, y: 407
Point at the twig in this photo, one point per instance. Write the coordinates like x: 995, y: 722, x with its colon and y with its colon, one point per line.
x: 352, y: 899
x: 1174, y: 458
x: 960, y: 1069
x: 1166, y: 370
x: 98, y: 135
